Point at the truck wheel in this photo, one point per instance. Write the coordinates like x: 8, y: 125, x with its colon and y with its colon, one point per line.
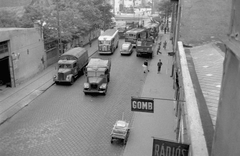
x: 124, y: 141
x: 151, y: 55
x: 57, y: 83
x: 137, y: 55
x: 105, y: 92
x: 72, y: 81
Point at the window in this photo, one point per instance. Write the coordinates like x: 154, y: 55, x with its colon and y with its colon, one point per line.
x: 100, y: 73
x: 3, y: 47
x: 90, y: 73
x: 104, y: 42
x: 65, y: 66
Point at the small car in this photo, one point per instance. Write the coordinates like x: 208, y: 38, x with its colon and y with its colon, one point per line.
x: 120, y: 131
x: 126, y: 49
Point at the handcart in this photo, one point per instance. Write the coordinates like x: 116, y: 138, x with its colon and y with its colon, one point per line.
x: 120, y: 131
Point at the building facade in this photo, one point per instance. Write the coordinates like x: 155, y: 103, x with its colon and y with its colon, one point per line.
x: 22, y: 55
x: 227, y: 137
x: 204, y: 20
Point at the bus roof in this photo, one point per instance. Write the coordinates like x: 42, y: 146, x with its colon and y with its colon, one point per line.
x: 77, y: 52
x: 108, y: 34
x: 135, y: 30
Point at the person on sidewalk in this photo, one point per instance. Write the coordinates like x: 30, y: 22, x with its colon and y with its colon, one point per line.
x: 159, y: 65
x: 90, y: 43
x: 159, y: 48
x: 145, y: 66
x: 165, y: 45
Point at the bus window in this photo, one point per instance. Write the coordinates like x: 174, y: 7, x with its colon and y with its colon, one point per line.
x: 101, y: 42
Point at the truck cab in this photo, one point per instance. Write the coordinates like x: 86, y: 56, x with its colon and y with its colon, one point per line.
x: 70, y: 65
x: 97, y: 76
x: 66, y: 69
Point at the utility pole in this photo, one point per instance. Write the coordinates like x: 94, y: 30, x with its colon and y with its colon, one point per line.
x: 59, y: 31
x: 153, y: 7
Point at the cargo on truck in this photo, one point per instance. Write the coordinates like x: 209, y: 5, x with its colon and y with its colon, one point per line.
x: 97, y: 74
x: 71, y: 64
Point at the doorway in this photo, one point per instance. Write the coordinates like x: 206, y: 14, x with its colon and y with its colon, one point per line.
x: 5, y: 76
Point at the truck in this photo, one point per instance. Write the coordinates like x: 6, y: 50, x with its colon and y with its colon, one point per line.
x: 71, y: 65
x: 145, y: 47
x: 144, y: 44
x: 97, y: 74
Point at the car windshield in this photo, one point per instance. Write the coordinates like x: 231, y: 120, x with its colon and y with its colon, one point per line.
x: 104, y: 42
x: 125, y: 46
x: 95, y: 73
x: 131, y: 35
x: 65, y: 66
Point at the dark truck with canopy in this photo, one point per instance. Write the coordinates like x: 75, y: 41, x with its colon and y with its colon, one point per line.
x: 71, y: 65
x: 146, y: 40
x: 98, y: 76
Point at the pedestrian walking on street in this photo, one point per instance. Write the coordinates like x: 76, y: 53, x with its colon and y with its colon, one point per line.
x: 159, y: 48
x: 165, y: 45
x: 159, y: 65
x: 90, y: 43
x: 165, y: 30
x: 145, y: 66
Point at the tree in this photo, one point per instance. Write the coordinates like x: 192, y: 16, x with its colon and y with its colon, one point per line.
x: 165, y: 9
x: 106, y: 15
x: 8, y: 19
x: 76, y: 17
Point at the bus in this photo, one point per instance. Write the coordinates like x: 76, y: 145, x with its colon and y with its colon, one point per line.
x: 134, y: 34
x: 108, y: 41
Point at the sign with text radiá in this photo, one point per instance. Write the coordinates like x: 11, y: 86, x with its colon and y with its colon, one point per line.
x: 169, y: 148
x: 142, y: 104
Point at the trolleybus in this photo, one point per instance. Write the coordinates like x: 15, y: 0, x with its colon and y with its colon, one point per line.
x: 108, y: 41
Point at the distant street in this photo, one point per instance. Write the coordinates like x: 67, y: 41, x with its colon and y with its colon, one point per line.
x: 63, y: 121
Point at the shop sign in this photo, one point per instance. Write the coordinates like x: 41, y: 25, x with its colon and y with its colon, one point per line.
x: 142, y: 104
x: 169, y: 148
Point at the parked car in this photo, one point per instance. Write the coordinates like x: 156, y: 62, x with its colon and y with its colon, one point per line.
x: 127, y: 48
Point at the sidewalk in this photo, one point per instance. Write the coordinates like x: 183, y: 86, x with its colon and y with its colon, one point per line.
x: 13, y: 100
x: 160, y: 124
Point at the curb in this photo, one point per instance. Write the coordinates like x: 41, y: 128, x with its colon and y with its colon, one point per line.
x: 10, y: 112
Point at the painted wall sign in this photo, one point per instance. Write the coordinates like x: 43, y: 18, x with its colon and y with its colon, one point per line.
x: 169, y: 148
x: 142, y: 104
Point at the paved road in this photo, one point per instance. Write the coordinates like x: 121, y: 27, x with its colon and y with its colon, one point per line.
x: 63, y: 121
